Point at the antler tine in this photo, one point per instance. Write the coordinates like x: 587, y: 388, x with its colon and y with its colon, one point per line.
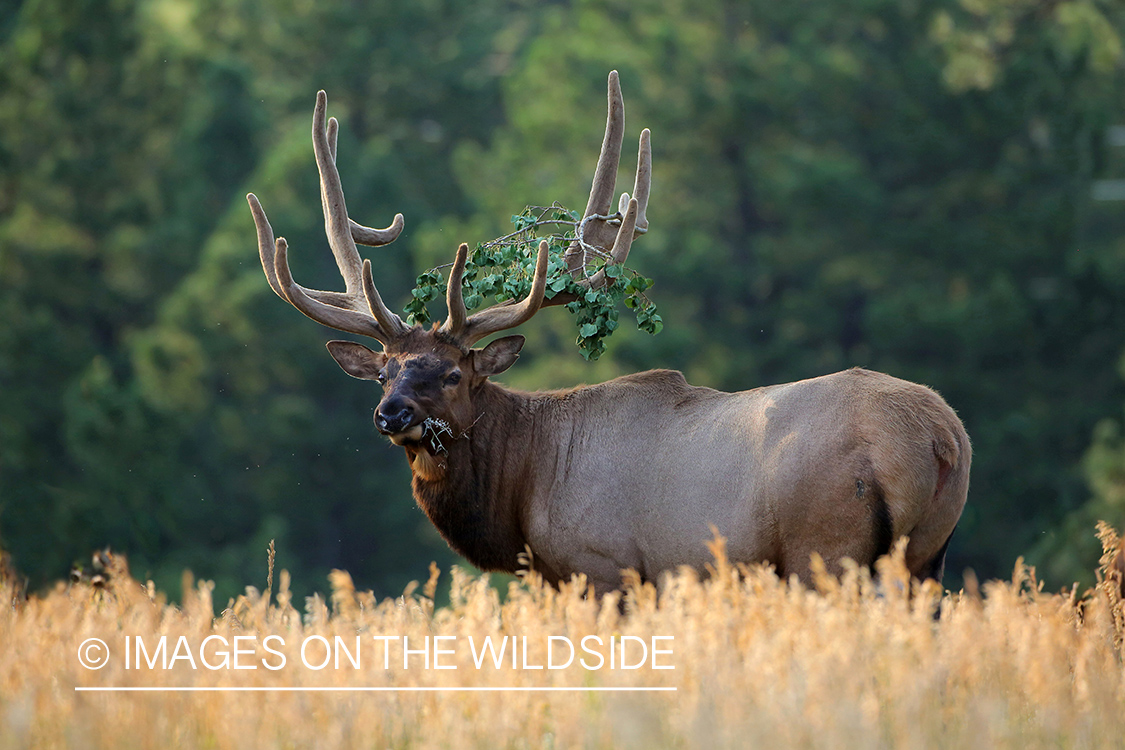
x: 619, y: 253
x: 332, y: 198
x: 360, y: 234
x: 266, y: 244
x: 641, y: 184
x: 605, y: 175
x: 333, y: 135
x: 454, y: 299
x: 508, y: 315
x: 340, y: 318
x: 387, y: 320
x: 376, y: 237
x: 643, y: 181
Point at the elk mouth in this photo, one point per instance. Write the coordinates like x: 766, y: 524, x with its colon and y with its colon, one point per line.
x: 410, y: 436
x: 432, y: 435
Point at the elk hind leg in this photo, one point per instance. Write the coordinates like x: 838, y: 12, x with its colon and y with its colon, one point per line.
x: 934, y: 568
x: 857, y: 524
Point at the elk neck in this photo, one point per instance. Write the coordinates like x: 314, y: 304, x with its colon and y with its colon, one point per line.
x: 475, y: 494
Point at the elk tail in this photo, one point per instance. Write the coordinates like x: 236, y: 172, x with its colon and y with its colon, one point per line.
x: 884, y: 524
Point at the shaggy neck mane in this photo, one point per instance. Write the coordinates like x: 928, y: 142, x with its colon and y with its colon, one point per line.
x: 473, y: 494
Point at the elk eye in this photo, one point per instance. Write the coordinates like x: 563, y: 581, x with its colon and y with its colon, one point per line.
x: 454, y: 378
x: 381, y: 378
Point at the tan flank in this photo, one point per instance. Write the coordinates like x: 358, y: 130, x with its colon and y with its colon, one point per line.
x: 633, y: 473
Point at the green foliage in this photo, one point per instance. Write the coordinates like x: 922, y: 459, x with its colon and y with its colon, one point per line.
x: 981, y: 38
x: 1105, y: 467
x: 93, y: 134
x: 1068, y: 549
x: 504, y: 269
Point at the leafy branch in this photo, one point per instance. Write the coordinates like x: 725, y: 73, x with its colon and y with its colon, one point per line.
x: 502, y: 269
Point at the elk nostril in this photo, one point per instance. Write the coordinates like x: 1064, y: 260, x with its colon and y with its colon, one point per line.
x: 394, y: 417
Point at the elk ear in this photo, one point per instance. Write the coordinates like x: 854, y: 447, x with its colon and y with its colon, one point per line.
x: 357, y: 360
x: 497, y: 356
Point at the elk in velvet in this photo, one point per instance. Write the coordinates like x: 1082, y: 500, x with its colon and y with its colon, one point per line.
x: 634, y: 472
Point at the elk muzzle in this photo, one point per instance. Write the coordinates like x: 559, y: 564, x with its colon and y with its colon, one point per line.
x: 398, y: 419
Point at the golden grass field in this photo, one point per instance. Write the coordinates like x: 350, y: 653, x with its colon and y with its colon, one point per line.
x: 758, y: 663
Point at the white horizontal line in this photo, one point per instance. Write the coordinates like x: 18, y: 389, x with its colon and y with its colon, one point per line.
x: 113, y: 689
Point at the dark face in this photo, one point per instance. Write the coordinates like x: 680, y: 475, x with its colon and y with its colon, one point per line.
x: 428, y: 383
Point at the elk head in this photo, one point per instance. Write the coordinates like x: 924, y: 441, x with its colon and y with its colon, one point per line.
x: 430, y: 376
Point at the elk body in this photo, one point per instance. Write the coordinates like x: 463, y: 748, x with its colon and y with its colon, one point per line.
x: 634, y: 472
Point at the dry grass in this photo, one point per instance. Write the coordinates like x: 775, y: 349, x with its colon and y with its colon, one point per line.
x: 758, y: 663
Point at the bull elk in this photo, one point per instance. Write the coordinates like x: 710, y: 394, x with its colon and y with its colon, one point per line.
x: 634, y: 472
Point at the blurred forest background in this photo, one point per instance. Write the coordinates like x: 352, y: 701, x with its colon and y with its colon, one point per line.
x: 920, y: 188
